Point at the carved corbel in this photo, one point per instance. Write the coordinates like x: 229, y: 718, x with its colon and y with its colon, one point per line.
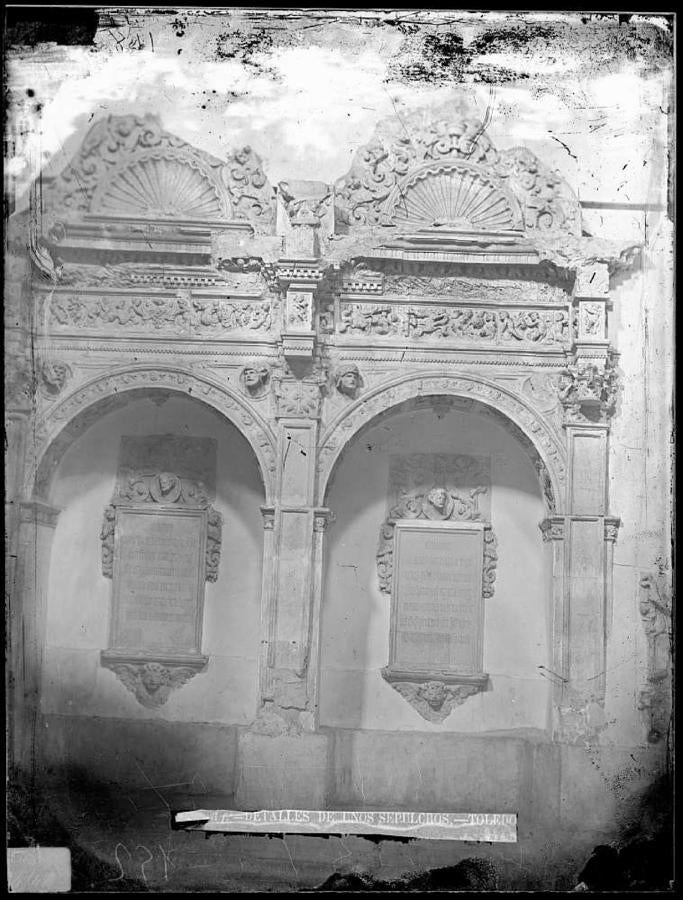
x: 589, y: 389
x: 434, y: 698
x: 151, y: 681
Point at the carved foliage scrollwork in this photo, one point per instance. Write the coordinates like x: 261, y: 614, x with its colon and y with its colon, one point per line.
x: 386, y: 168
x: 588, y: 392
x: 656, y: 613
x: 122, y: 157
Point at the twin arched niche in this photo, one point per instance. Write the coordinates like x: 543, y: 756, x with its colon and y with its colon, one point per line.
x: 73, y: 415
x: 541, y: 441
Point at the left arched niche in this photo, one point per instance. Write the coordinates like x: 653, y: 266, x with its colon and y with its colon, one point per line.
x: 79, y: 596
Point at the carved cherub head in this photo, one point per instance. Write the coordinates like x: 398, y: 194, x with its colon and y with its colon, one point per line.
x: 153, y: 677
x: 347, y: 379
x: 254, y: 377
x: 433, y: 693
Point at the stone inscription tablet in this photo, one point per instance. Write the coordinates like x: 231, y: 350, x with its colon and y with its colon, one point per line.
x: 437, y: 596
x: 158, y: 580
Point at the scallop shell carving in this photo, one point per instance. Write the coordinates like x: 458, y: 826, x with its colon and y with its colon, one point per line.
x: 454, y: 195
x: 158, y: 187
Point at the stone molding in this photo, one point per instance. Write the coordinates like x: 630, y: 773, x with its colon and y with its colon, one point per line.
x: 111, y: 388
x: 416, y: 384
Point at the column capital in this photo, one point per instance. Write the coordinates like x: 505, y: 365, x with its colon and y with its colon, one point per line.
x: 268, y: 513
x: 612, y: 525
x: 322, y: 517
x: 552, y: 528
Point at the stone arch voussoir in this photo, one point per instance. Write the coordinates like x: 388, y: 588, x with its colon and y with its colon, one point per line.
x: 88, y: 402
x: 536, y: 433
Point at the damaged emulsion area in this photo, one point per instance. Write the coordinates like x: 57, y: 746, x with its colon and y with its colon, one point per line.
x: 439, y: 54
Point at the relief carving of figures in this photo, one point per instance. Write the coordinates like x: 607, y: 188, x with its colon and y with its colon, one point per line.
x: 357, y: 318
x: 589, y: 392
x: 160, y: 313
x: 299, y: 306
x: 656, y: 612
x: 591, y: 319
x: 435, y: 700
x: 457, y: 323
x: 151, y: 682
x: 254, y: 379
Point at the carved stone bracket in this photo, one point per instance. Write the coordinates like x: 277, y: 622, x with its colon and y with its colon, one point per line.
x: 434, y: 696
x: 655, y: 698
x: 589, y: 389
x: 151, y: 681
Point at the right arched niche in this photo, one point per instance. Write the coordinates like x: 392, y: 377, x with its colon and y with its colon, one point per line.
x: 356, y: 611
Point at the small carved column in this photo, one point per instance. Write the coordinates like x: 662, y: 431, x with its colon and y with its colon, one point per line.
x: 290, y: 530
x: 553, y: 529
x: 28, y: 611
x: 281, y: 760
x: 588, y: 394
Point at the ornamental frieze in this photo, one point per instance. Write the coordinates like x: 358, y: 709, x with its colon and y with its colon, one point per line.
x: 180, y: 313
x: 129, y: 275
x: 456, y: 323
x: 475, y: 289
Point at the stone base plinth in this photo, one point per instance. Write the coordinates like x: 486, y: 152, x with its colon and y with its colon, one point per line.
x: 281, y: 771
